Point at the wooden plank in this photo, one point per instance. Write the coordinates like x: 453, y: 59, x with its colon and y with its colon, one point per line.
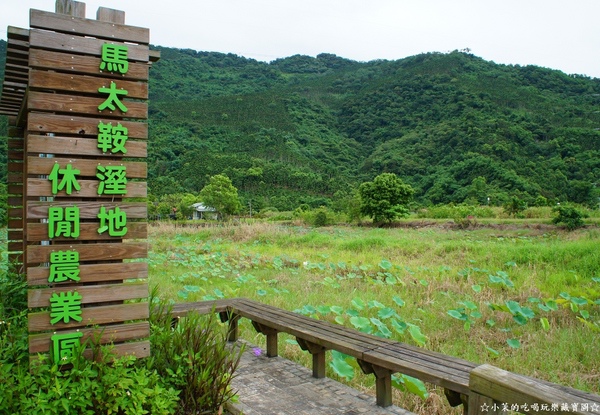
x: 81, y: 146
x: 15, y: 155
x: 87, y: 210
x: 15, y: 246
x: 138, y: 349
x: 16, y: 143
x: 91, y: 294
x: 89, y: 252
x: 89, y: 188
x: 108, y: 314
x: 15, y: 166
x: 202, y: 307
x: 83, y: 64
x: 14, y: 235
x: 41, y: 343
x: 14, y: 177
x: 37, y: 232
x: 94, y: 272
x: 66, y: 82
x: 421, y: 368
x: 88, y: 27
x: 71, y: 8
x: 87, y: 167
x: 507, y: 387
x: 82, y: 126
x: 14, y: 189
x: 15, y: 223
x: 15, y: 201
x: 80, y: 105
x: 15, y: 212
x: 105, y: 14
x: 78, y: 44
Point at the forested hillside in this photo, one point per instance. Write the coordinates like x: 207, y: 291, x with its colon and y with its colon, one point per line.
x: 309, y: 130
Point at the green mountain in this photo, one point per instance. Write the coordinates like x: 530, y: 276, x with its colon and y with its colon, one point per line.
x: 308, y: 130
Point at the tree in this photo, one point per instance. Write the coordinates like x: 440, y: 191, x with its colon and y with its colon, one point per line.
x: 385, y: 198
x: 221, y: 194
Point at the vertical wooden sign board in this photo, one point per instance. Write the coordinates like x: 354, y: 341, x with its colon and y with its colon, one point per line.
x: 84, y: 182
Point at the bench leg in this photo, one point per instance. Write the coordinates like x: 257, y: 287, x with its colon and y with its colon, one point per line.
x: 318, y: 356
x: 272, y: 344
x: 232, y: 331
x: 271, y: 334
x: 383, y: 382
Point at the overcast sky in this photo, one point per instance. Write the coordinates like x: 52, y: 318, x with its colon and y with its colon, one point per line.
x: 562, y: 35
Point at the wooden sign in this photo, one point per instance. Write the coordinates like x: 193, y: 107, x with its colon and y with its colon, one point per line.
x: 78, y: 178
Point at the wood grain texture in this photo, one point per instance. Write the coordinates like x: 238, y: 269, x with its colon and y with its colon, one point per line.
x: 89, y: 252
x: 101, y: 29
x: 82, y: 64
x: 87, y: 210
x: 91, y: 294
x: 37, y: 232
x: 41, y: 343
x: 89, y: 188
x: 89, y: 273
x: 83, y: 105
x: 108, y: 314
x: 86, y: 167
x: 82, y: 147
x: 80, y: 126
x: 82, y: 84
x: 68, y: 43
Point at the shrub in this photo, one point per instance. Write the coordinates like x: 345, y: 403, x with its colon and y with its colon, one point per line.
x: 570, y: 216
x: 192, y: 355
x: 112, y: 385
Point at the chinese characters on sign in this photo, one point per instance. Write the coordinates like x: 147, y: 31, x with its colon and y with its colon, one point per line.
x: 65, y: 307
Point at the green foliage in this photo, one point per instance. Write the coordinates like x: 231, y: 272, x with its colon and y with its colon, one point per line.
x: 385, y: 198
x: 106, y: 385
x: 570, y: 216
x: 221, y: 195
x: 515, y: 206
x: 191, y: 354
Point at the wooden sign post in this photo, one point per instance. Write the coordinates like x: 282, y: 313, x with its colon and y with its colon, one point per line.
x: 83, y: 212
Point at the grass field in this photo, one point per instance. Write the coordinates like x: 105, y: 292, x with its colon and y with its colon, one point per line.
x: 524, y: 297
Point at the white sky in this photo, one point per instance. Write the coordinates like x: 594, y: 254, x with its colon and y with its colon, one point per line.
x: 557, y: 34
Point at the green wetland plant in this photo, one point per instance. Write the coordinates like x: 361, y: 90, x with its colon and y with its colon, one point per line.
x: 192, y: 356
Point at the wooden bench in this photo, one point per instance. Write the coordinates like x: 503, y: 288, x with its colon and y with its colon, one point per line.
x: 375, y: 355
x: 464, y: 382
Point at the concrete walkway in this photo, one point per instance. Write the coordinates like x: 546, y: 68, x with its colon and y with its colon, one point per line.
x: 277, y: 386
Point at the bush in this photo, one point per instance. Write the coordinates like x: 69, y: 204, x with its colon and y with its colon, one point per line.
x: 192, y: 356
x: 322, y: 217
x: 109, y: 385
x: 190, y: 371
x: 570, y: 216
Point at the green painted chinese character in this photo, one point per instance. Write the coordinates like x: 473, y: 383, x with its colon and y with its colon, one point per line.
x: 112, y: 138
x: 64, y: 266
x: 113, y: 98
x: 114, y: 58
x: 63, y: 222
x: 114, y: 221
x: 63, y: 346
x: 65, y: 307
x: 68, y: 180
x: 113, y: 180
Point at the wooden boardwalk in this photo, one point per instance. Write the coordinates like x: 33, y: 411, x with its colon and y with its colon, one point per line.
x: 277, y: 386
